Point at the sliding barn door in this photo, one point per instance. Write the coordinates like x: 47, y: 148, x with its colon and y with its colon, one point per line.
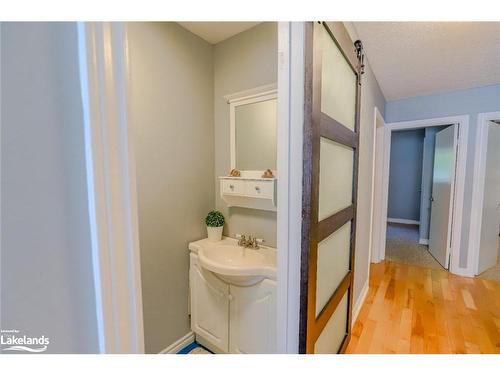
x: 332, y: 90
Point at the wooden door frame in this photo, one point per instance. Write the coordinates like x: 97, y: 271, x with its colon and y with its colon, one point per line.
x: 381, y: 215
x: 478, y: 187
x: 316, y: 125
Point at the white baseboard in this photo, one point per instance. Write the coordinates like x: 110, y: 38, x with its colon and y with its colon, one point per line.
x: 423, y: 241
x: 359, y: 303
x: 402, y: 221
x: 179, y: 344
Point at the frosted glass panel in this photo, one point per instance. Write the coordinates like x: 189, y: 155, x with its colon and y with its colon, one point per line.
x: 333, y: 264
x: 335, y: 177
x: 333, y: 334
x: 338, y: 84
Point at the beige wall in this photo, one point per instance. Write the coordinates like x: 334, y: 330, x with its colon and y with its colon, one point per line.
x: 242, y: 62
x: 172, y: 120
x: 47, y: 285
x: 371, y: 96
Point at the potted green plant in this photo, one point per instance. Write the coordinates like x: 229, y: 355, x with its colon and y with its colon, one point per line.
x: 215, y: 222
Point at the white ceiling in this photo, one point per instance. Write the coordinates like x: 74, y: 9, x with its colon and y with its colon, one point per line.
x: 420, y: 58
x: 215, y: 32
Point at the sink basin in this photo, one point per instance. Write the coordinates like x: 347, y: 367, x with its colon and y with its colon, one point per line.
x: 234, y: 264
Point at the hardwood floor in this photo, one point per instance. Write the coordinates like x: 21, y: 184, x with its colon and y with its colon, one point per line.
x: 412, y: 309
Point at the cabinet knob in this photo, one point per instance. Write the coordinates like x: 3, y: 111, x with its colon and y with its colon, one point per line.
x: 230, y: 297
x: 231, y: 187
x: 257, y: 188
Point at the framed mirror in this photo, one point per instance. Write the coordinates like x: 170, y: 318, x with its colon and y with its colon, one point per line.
x: 253, y: 119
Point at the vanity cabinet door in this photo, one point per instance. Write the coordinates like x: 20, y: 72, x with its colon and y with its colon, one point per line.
x: 209, y: 307
x: 253, y: 318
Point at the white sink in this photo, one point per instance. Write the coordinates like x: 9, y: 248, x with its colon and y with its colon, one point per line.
x: 234, y: 264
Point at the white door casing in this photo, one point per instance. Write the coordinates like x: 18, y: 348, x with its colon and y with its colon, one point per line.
x: 462, y: 121
x: 379, y: 158
x: 443, y: 187
x: 112, y: 198
x: 490, y: 220
x: 289, y: 190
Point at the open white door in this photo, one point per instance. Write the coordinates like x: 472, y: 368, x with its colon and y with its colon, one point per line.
x: 443, y: 186
x: 490, y: 220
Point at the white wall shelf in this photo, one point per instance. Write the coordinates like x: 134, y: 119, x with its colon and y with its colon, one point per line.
x: 257, y: 193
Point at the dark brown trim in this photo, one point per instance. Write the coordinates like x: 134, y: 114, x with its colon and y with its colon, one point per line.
x: 334, y: 130
x: 355, y: 199
x: 347, y: 337
x: 341, y: 37
x: 306, y: 185
x: 329, y: 225
x: 345, y: 342
x: 313, y: 235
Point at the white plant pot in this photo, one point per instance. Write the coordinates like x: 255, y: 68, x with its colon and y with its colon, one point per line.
x: 214, y: 233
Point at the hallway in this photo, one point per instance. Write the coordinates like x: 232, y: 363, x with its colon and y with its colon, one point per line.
x: 412, y: 309
x: 402, y: 247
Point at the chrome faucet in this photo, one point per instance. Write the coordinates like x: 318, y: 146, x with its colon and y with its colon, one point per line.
x: 250, y: 242
x: 242, y: 240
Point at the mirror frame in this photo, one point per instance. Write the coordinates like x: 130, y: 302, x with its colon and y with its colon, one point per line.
x: 255, y: 95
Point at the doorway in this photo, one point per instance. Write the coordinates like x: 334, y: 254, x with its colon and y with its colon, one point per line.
x: 449, y: 237
x: 485, y: 220
x: 411, y: 202
x: 119, y: 305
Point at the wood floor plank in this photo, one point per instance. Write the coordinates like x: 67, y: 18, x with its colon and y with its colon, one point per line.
x: 468, y: 300
x: 446, y: 289
x: 412, y: 309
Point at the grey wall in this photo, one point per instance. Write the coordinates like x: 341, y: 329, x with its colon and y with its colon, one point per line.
x: 242, y: 62
x: 173, y: 132
x: 427, y: 172
x: 464, y: 102
x: 46, y: 265
x: 371, y: 96
x: 405, y: 174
